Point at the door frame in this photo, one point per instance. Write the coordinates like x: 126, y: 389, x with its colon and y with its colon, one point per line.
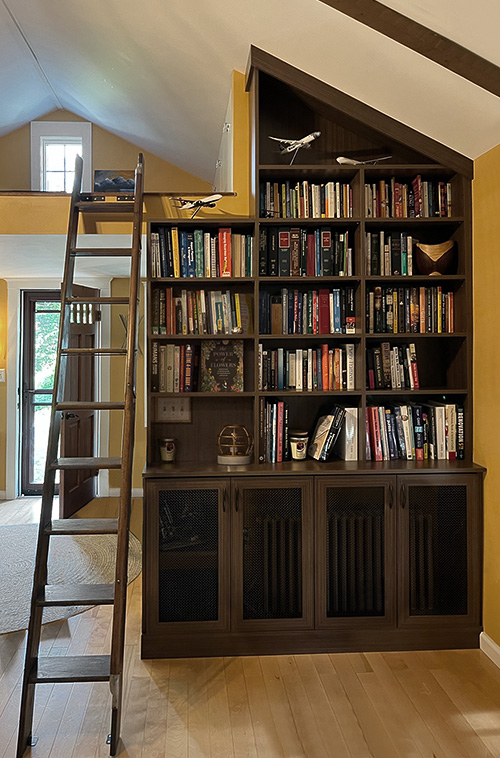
x: 15, y: 287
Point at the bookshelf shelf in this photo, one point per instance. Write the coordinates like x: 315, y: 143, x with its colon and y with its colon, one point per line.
x: 368, y: 484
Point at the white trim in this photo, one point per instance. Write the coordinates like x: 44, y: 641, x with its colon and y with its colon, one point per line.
x: 14, y: 288
x: 115, y: 492
x: 73, y: 129
x: 490, y: 648
x: 3, y: 495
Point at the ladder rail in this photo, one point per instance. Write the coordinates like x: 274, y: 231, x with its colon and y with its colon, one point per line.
x: 42, y: 548
x: 119, y: 609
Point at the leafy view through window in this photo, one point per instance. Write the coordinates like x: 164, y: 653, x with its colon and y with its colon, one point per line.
x: 59, y: 163
x: 45, y: 343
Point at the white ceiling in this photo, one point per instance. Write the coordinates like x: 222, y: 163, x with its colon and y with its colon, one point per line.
x: 157, y: 72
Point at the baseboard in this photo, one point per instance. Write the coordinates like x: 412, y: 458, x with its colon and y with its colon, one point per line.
x: 490, y: 648
x: 3, y: 495
x: 115, y: 492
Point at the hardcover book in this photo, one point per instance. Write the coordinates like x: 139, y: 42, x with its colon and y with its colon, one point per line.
x: 221, y: 366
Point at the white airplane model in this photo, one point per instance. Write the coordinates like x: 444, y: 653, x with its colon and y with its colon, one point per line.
x: 351, y: 162
x: 204, y: 202
x: 294, y: 145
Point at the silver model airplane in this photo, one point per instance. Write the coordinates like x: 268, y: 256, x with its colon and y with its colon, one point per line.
x: 351, y: 162
x: 203, y: 202
x: 294, y: 145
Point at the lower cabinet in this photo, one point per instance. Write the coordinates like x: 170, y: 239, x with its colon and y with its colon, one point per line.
x: 269, y: 564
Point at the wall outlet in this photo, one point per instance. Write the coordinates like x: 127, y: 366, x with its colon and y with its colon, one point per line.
x: 2, y: 375
x: 176, y: 409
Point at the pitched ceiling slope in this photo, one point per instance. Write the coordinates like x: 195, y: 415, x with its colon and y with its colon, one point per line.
x: 158, y: 74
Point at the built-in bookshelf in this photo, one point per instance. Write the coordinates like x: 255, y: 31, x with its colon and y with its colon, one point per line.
x: 327, y: 297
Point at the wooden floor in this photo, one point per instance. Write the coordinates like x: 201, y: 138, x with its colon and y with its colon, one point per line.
x: 378, y: 705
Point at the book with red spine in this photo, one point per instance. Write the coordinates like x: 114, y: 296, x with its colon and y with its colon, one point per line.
x: 324, y: 311
x: 225, y: 269
x: 375, y: 436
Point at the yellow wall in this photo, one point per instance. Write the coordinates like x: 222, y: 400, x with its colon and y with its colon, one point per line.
x: 108, y: 152
x: 3, y: 394
x: 486, y: 196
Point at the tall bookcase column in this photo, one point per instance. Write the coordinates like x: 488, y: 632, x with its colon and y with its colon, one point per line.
x: 350, y: 553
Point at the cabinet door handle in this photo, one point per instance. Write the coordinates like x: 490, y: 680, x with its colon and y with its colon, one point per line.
x: 237, y: 500
x: 403, y: 495
x: 224, y: 498
x: 391, y: 496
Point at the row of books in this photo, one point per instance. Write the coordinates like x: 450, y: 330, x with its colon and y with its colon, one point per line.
x: 389, y: 254
x: 297, y: 251
x: 334, y: 433
x: 304, y: 199
x: 213, y: 366
x: 320, y: 368
x: 200, y: 312
x: 181, y: 253
x: 392, y: 368
x: 428, y: 431
x: 416, y: 199
x: 307, y: 312
x: 417, y: 310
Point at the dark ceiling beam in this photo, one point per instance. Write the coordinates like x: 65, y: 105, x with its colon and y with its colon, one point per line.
x: 422, y: 40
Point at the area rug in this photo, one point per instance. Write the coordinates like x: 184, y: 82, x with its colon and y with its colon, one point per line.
x: 82, y: 559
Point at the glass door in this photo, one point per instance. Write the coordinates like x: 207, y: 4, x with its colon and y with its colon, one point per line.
x: 41, y: 312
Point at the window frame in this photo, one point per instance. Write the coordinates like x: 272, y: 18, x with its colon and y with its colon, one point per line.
x: 43, y: 131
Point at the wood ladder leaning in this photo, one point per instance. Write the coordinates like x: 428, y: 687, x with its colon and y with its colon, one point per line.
x: 90, y: 668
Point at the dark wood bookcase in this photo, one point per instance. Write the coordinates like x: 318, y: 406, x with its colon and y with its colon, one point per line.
x: 308, y: 556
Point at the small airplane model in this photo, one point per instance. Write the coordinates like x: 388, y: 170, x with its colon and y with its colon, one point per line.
x: 204, y: 202
x: 294, y: 145
x: 351, y: 162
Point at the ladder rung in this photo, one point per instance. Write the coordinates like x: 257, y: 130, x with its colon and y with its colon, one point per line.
x: 118, y: 207
x: 99, y: 300
x: 76, y: 594
x: 62, y: 668
x: 94, y: 351
x: 83, y: 526
x: 66, y: 464
x: 100, y: 251
x: 89, y: 405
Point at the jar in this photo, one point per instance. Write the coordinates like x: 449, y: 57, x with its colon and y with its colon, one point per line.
x: 167, y: 449
x: 298, y: 444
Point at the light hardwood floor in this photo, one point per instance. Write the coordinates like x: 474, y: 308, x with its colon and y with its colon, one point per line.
x: 372, y: 705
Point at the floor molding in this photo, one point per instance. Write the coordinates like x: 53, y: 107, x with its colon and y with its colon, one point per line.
x: 3, y: 495
x: 115, y: 492
x: 490, y: 648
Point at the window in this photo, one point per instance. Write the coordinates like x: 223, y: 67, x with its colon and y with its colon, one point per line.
x: 54, y: 146
x: 58, y: 163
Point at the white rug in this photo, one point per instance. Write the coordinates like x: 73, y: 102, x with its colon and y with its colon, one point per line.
x: 82, y: 559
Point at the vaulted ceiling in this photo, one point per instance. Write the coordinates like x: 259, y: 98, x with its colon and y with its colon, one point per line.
x: 157, y: 72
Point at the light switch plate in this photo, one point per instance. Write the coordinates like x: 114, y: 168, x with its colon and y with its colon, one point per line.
x: 174, y: 409
x: 2, y: 375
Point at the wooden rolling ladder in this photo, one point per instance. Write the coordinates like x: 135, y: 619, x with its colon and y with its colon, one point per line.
x: 88, y: 668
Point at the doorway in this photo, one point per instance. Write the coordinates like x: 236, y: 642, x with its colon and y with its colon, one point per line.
x: 41, y: 314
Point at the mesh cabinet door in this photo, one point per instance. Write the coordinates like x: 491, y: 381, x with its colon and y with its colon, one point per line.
x: 354, y: 539
x: 272, y: 532
x: 441, y: 570
x: 190, y: 555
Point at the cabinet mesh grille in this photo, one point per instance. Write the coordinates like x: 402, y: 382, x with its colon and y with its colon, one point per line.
x: 355, y: 552
x: 272, y: 554
x: 438, y: 550
x: 188, y: 555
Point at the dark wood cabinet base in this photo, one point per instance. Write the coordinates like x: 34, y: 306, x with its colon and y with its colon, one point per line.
x: 312, y: 641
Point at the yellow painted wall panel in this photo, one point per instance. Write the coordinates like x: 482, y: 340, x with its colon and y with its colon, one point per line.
x: 486, y: 199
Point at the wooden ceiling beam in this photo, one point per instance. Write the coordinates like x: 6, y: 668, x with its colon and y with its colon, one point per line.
x: 422, y: 40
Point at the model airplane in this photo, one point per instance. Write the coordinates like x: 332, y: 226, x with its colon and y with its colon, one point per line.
x: 294, y: 145
x: 203, y: 202
x: 351, y: 162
